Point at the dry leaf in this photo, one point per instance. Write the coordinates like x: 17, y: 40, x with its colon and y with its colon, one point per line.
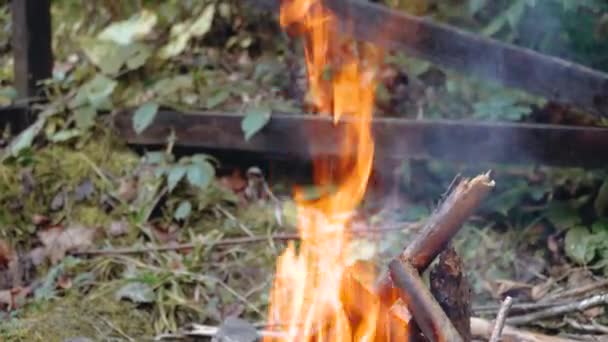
x: 504, y: 287
x: 540, y: 291
x: 165, y: 234
x: 127, y: 189
x: 6, y: 298
x: 58, y: 242
x: 118, y: 228
x: 40, y: 220
x: 13, y: 298
x: 64, y: 282
x: 37, y: 255
x: 6, y: 254
x: 595, y: 312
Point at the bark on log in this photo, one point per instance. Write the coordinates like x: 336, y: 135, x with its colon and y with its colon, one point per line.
x: 450, y: 287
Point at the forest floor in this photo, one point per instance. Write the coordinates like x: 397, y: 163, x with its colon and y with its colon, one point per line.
x: 100, y: 241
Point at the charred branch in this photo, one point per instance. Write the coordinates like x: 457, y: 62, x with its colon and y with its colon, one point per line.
x: 427, y: 313
x: 450, y: 287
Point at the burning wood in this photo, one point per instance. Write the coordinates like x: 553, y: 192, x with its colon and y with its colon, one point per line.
x: 429, y: 316
x: 316, y: 295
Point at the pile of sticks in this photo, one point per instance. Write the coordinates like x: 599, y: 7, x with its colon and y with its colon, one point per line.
x: 441, y: 312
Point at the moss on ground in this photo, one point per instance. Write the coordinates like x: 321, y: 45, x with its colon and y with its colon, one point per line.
x: 75, y: 315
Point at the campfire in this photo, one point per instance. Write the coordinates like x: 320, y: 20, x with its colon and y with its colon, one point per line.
x: 317, y: 295
x: 309, y: 293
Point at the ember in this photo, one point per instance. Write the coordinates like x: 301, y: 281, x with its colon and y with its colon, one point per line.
x: 309, y: 295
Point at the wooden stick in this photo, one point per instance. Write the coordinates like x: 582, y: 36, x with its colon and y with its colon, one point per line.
x: 428, y: 315
x: 483, y: 328
x: 581, y: 305
x: 500, y: 320
x: 234, y: 241
x: 184, y: 246
x: 578, y: 290
x: 439, y: 229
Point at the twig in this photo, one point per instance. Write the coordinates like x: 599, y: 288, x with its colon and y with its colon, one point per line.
x: 224, y: 242
x: 579, y: 290
x: 233, y: 218
x: 200, y: 330
x: 429, y: 316
x: 500, y: 319
x: 561, y: 309
x: 594, y: 327
x: 191, y: 245
x: 483, y: 328
x: 493, y: 308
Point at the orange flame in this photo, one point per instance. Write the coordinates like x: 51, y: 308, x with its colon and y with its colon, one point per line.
x: 308, y: 296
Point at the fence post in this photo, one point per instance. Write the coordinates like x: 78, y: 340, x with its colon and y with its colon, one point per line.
x: 32, y: 46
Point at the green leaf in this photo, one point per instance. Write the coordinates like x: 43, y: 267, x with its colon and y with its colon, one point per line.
x: 85, y: 117
x: 579, y: 245
x: 25, y: 139
x: 601, y: 201
x: 179, y: 37
x: 139, y: 55
x: 96, y: 93
x: 136, y: 292
x: 218, y: 98
x: 65, y: 135
x: 202, y: 25
x: 171, y: 85
x: 110, y: 56
x: 175, y: 175
x: 183, y: 210
x: 127, y: 31
x: 562, y: 215
x: 144, y: 116
x: 255, y: 120
x: 201, y: 174
x: 476, y: 6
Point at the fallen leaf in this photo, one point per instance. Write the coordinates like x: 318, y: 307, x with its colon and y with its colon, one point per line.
x: 136, y: 292
x: 14, y: 297
x: 236, y: 330
x: 127, y: 189
x: 6, y: 298
x: 58, y: 242
x: 28, y: 183
x: 64, y: 282
x: 37, y: 255
x: 595, y: 312
x: 165, y: 234
x: 118, y: 228
x: 58, y: 201
x: 84, y: 190
x: 40, y: 220
x: 6, y: 254
x: 503, y: 287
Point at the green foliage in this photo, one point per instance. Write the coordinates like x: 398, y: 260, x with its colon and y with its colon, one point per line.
x: 255, y: 119
x: 144, y: 116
